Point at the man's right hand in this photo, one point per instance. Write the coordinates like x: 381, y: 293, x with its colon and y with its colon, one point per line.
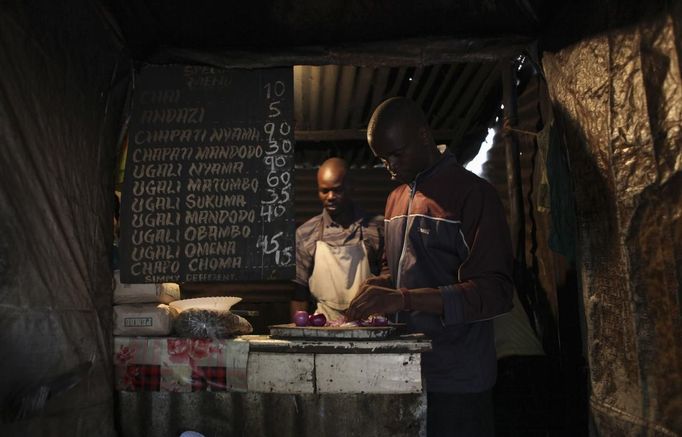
x: 376, y: 289
x: 373, y: 299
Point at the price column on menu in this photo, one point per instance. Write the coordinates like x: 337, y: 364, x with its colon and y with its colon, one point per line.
x: 277, y: 248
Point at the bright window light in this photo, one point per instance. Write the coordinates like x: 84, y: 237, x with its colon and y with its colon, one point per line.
x: 476, y: 164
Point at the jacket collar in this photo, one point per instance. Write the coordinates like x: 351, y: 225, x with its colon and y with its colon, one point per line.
x: 446, y: 157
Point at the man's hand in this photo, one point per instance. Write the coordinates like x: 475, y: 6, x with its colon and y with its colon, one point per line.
x: 374, y: 299
x: 380, y: 281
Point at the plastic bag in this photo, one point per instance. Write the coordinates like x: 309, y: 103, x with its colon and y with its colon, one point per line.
x: 202, y: 323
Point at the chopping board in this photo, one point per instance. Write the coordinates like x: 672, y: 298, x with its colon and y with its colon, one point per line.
x: 291, y: 331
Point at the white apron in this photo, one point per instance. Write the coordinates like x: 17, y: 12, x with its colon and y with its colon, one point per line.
x: 337, y: 274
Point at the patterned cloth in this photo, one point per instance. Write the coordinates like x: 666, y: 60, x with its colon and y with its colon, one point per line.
x: 209, y: 378
x: 180, y: 364
x: 144, y: 377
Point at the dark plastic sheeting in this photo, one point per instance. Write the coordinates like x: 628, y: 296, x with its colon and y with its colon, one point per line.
x: 162, y: 414
x: 619, y: 98
x: 60, y: 108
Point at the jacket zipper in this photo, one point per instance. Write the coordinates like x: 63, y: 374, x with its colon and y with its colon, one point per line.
x: 413, y: 190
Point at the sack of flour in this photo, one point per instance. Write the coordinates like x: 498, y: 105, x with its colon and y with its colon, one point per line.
x: 143, y: 319
x: 144, y: 293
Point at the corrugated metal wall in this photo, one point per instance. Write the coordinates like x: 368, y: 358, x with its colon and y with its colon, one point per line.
x: 370, y: 187
x: 334, y: 102
x: 165, y: 414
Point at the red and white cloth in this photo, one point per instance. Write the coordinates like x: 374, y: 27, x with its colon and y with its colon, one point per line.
x: 180, y: 364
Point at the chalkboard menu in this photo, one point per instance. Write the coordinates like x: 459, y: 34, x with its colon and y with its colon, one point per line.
x: 207, y: 195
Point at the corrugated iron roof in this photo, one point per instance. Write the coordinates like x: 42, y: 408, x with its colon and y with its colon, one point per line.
x: 335, y: 102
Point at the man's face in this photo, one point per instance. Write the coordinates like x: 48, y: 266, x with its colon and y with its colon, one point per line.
x: 332, y: 191
x: 401, y: 155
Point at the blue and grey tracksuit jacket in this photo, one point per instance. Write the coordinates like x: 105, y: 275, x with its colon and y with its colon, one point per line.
x: 448, y: 230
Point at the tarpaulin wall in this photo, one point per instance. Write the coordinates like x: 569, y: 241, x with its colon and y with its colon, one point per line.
x: 63, y: 78
x: 618, y: 95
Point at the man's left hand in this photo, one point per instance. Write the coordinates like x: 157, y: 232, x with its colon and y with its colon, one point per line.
x: 373, y: 299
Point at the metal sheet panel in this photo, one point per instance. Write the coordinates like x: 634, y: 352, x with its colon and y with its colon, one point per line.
x: 335, y: 102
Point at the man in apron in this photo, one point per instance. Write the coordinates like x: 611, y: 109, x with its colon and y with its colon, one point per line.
x: 337, y: 249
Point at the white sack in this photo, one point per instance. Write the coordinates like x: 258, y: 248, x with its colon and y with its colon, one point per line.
x: 143, y: 319
x: 144, y: 293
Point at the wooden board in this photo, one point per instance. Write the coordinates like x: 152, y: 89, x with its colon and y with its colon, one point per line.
x: 412, y: 343
x: 290, y: 330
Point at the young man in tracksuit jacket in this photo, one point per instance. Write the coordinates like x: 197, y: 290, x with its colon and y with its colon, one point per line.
x: 449, y: 259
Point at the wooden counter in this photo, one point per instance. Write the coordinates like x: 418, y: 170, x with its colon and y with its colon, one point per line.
x: 332, y: 366
x: 255, y: 363
x: 290, y: 388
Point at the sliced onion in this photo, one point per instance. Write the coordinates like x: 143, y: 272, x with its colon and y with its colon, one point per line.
x: 353, y: 324
x: 336, y: 322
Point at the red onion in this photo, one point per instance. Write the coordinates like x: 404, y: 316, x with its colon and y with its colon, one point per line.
x: 318, y: 320
x: 378, y: 321
x: 301, y: 318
